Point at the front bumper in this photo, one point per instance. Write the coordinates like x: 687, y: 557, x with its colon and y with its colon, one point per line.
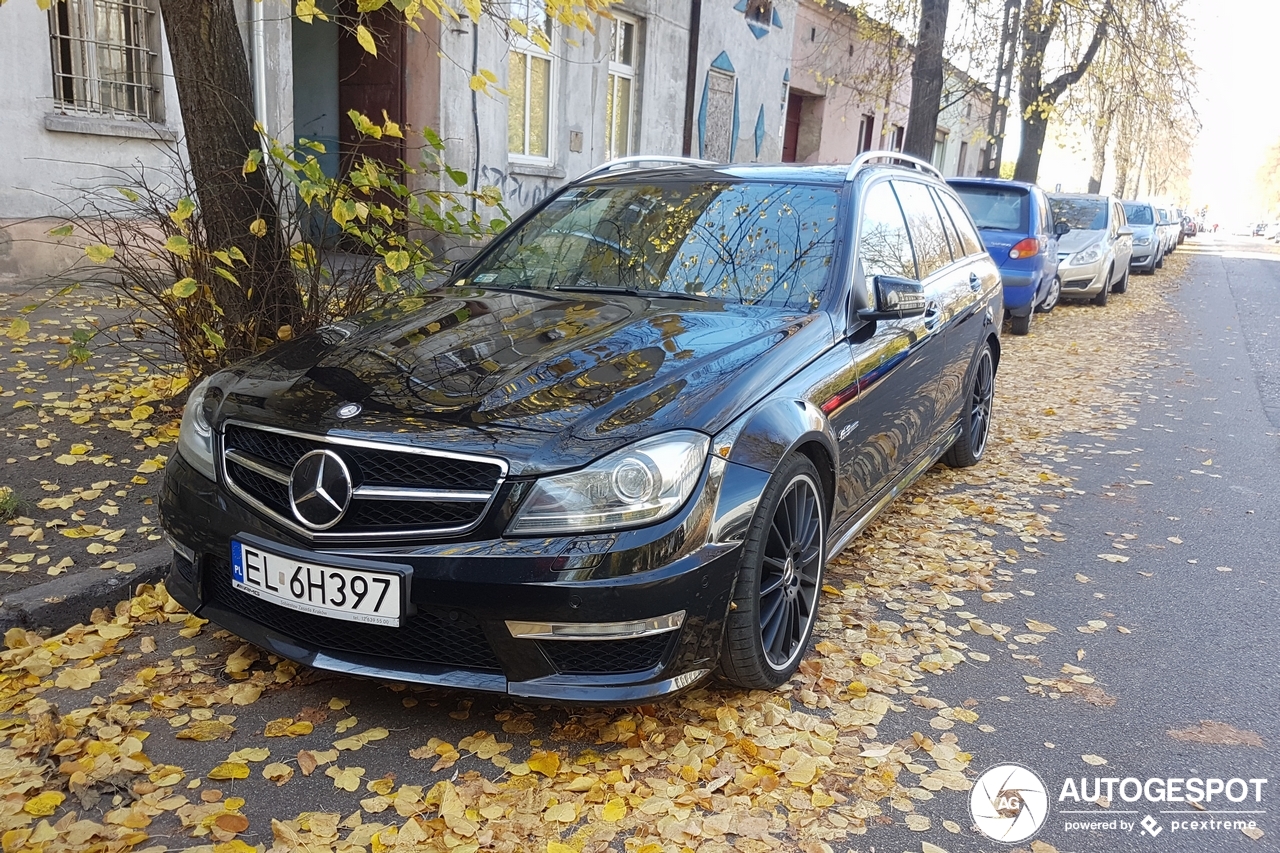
x: 462, y: 594
x: 1083, y: 280
x: 1143, y: 256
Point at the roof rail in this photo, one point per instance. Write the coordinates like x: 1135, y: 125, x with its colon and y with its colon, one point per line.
x: 893, y: 157
x: 636, y: 160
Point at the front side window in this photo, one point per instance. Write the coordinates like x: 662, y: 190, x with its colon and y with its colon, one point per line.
x: 1082, y: 214
x: 884, y: 247
x: 749, y: 243
x: 529, y: 84
x: 104, y: 58
x: 927, y: 234
x: 620, y: 97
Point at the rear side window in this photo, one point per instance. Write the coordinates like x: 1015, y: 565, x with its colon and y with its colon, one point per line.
x: 884, y: 248
x: 923, y: 221
x: 969, y: 239
x: 996, y: 208
x: 957, y: 250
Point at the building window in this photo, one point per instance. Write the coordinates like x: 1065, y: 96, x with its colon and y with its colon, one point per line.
x: 899, y: 136
x: 760, y: 11
x: 529, y: 82
x: 939, y: 149
x: 619, y: 100
x: 104, y: 62
x: 865, y: 129
x: 962, y: 166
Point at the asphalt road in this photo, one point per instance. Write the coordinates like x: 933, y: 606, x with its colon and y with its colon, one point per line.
x: 1203, y: 612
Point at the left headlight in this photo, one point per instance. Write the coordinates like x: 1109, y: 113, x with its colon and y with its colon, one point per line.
x: 1087, y: 256
x: 640, y: 484
x: 195, y: 440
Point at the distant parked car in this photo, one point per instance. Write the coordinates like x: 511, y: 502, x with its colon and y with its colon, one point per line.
x: 1259, y: 229
x: 1093, y: 255
x: 1017, y: 228
x: 1167, y: 230
x: 1272, y: 232
x: 1189, y: 227
x: 1148, y: 248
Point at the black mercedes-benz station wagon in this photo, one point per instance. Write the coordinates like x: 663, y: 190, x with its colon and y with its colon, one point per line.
x: 610, y: 456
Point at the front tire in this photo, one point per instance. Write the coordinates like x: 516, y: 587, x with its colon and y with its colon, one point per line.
x: 1051, y: 298
x: 775, y: 601
x: 972, y: 443
x: 1101, y: 299
x: 1123, y: 284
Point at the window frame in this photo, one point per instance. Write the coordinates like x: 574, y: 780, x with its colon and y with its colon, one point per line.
x: 621, y: 71
x: 145, y: 83
x: 526, y: 46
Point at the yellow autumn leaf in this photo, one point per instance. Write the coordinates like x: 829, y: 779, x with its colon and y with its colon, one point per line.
x: 79, y: 679
x: 250, y: 753
x: 1095, y: 760
x: 141, y: 413
x: 206, y: 730
x: 99, y: 253
x: 559, y: 847
x: 346, y: 778
x: 544, y: 762
x: 235, y: 845
x: 870, y: 659
x: 562, y: 813
x: 258, y: 227
x: 44, y: 804
x: 614, y: 810
x: 230, y: 770
x: 277, y: 772
x: 1040, y: 627
x: 365, y: 38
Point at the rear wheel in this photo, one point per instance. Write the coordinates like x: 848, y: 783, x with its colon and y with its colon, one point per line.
x: 1051, y: 297
x: 1021, y: 325
x: 972, y: 442
x: 775, y: 599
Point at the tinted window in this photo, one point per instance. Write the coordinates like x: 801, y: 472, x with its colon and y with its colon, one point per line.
x: 925, y: 225
x: 883, y: 245
x: 753, y: 243
x: 996, y: 208
x: 1046, y: 218
x: 969, y: 238
x: 1082, y: 214
x: 1139, y: 214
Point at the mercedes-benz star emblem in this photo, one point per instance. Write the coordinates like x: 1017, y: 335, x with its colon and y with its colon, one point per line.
x: 320, y: 489
x: 348, y: 410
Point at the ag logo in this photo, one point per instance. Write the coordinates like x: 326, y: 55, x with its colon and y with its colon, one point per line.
x: 1009, y: 803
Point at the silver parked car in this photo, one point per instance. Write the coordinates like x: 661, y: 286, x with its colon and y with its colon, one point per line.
x: 1094, y: 251
x: 1148, y: 249
x: 1167, y: 229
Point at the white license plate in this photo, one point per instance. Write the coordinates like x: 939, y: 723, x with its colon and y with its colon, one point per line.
x: 356, y: 595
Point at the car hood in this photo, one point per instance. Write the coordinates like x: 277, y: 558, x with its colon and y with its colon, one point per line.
x: 1075, y: 241
x: 1143, y: 230
x: 546, y: 380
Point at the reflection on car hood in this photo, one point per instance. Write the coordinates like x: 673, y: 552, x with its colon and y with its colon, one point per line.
x: 529, y: 374
x: 1074, y: 241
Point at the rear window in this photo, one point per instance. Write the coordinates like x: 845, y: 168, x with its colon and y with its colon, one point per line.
x: 1082, y: 214
x: 995, y: 208
x: 750, y: 243
x: 1139, y: 214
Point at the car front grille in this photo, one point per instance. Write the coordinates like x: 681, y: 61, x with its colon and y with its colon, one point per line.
x: 601, y: 657
x: 438, y: 636
x: 397, y: 492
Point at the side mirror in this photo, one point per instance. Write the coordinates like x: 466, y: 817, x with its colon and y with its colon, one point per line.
x: 1126, y: 231
x: 1060, y: 228
x: 895, y: 298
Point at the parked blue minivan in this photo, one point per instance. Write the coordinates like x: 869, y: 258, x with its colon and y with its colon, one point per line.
x: 1017, y: 228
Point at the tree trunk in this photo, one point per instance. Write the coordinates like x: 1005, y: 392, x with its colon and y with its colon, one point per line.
x: 926, y: 80
x: 1034, y: 129
x: 216, y: 97
x: 1100, y: 135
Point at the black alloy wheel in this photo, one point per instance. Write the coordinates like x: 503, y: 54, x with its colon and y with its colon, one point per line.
x: 976, y: 427
x: 777, y: 594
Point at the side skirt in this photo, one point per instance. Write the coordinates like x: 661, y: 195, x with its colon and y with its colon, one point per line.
x: 840, y: 539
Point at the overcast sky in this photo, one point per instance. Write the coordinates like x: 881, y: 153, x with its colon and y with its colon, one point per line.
x: 1237, y: 48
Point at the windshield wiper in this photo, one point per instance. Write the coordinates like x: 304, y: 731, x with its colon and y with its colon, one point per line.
x: 635, y: 291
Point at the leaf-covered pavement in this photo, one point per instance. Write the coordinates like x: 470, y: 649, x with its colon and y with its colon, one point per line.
x: 149, y: 730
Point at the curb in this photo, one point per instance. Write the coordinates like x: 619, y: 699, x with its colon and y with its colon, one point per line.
x: 57, y: 604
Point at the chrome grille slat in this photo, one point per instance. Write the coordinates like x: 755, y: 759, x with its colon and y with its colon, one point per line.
x: 419, y: 492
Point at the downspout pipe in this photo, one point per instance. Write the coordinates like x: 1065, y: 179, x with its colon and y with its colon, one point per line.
x: 258, y: 39
x: 691, y: 81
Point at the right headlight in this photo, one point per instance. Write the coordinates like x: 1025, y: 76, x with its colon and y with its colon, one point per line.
x: 195, y: 439
x: 640, y: 484
x: 1142, y: 241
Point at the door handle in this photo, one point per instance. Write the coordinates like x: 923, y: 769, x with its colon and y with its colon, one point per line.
x: 975, y: 283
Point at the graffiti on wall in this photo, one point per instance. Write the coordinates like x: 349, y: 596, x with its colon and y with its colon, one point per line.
x: 519, y: 192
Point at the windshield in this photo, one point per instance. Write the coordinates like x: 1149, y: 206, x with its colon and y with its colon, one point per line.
x: 1139, y: 214
x: 750, y: 243
x: 1164, y: 216
x: 1082, y: 214
x: 995, y: 208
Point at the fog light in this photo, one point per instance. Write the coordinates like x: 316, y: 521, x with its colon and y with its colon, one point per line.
x: 595, y: 630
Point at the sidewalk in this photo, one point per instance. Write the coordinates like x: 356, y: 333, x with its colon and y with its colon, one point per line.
x: 84, y: 447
